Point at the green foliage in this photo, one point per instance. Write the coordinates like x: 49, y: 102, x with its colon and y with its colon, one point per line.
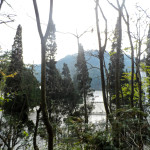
x: 18, y: 104
x: 78, y: 135
x: 31, y: 87
x: 70, y: 96
x: 83, y: 78
x: 112, y: 74
x: 103, y: 140
x: 22, y: 86
x: 14, y: 133
x: 112, y: 53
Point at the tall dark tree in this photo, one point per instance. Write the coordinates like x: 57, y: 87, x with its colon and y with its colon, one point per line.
x: 53, y: 77
x: 83, y: 79
x: 17, y: 103
x: 70, y: 96
x: 112, y: 65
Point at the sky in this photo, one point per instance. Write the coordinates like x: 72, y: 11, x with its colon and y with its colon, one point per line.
x: 70, y: 16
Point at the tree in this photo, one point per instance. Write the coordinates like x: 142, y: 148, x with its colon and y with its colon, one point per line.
x: 30, y: 87
x: 53, y: 82
x: 70, y: 96
x: 101, y: 57
x: 22, y: 88
x: 83, y: 79
x: 17, y: 101
x: 1, y: 3
x: 148, y: 59
x: 43, y: 70
x: 127, y: 22
x: 53, y: 78
x: 13, y: 133
x: 112, y: 68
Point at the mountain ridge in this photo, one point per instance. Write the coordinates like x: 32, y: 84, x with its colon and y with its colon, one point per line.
x: 92, y: 64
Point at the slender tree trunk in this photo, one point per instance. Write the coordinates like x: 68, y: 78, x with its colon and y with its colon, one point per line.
x: 43, y: 98
x: 1, y: 4
x: 132, y: 66
x: 36, y: 128
x: 132, y: 56
x: 85, y: 109
x: 117, y: 80
x: 139, y: 77
x: 101, y: 58
x: 43, y: 71
x: 117, y: 136
x: 117, y: 73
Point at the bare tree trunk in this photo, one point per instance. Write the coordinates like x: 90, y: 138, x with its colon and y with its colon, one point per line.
x: 36, y: 128
x: 85, y: 109
x: 43, y: 98
x: 139, y: 76
x: 119, y: 39
x: 101, y: 58
x: 132, y: 56
x: 117, y: 72
x: 43, y: 71
x: 1, y: 4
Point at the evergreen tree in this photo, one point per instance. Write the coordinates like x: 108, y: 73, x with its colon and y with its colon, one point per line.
x: 112, y: 66
x: 53, y: 79
x: 70, y: 96
x: 83, y: 79
x: 21, y: 90
x: 30, y: 87
x: 17, y: 103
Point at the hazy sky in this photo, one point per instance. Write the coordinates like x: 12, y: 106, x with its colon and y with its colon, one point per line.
x: 68, y: 15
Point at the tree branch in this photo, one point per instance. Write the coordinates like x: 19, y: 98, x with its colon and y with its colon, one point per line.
x: 112, y: 5
x: 50, y: 21
x: 1, y: 4
x: 105, y: 27
x: 37, y: 19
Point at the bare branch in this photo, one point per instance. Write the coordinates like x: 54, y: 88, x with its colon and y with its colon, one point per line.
x: 67, y: 33
x: 8, y: 4
x: 1, y: 4
x: 145, y: 11
x: 93, y: 55
x: 4, y: 140
x: 50, y: 21
x: 85, y: 31
x: 105, y: 43
x: 112, y: 5
x: 97, y: 23
x: 37, y: 18
x: 92, y: 67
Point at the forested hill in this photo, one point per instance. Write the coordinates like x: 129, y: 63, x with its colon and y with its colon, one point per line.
x: 92, y: 63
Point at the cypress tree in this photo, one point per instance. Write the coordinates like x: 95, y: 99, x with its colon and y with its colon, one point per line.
x: 112, y: 66
x: 53, y: 77
x: 83, y: 79
x: 17, y: 103
x: 70, y: 96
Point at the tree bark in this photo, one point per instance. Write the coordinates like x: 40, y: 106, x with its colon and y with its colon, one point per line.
x: 101, y: 58
x: 132, y: 56
x: 1, y: 4
x: 43, y: 98
x: 85, y: 109
x: 43, y: 72
x: 36, y: 128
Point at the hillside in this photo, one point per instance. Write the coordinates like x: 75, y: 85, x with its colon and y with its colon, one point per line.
x: 92, y: 63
